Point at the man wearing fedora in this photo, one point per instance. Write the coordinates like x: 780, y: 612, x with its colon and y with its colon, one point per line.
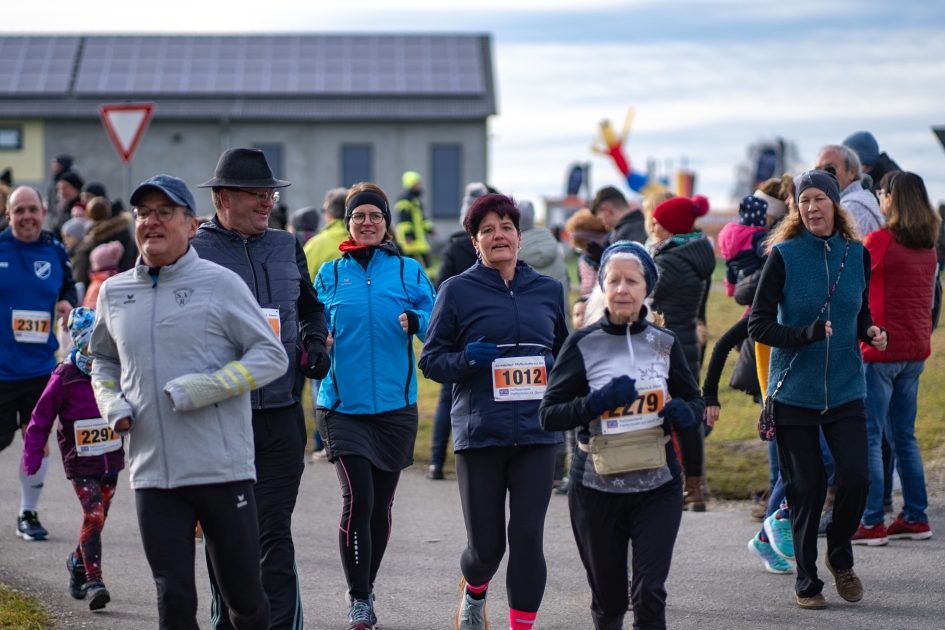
x: 273, y: 266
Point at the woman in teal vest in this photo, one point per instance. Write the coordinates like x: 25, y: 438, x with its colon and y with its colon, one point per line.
x: 812, y: 308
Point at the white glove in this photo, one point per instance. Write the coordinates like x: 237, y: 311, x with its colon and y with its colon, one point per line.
x: 193, y: 391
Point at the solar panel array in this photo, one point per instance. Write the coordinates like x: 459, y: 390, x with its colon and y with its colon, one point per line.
x: 36, y: 65
x: 252, y: 66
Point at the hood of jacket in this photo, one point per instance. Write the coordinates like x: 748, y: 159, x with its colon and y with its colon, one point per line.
x: 110, y: 227
x: 539, y: 247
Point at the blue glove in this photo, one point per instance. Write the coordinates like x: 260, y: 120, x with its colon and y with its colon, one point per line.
x: 618, y: 392
x: 679, y: 413
x: 480, y: 353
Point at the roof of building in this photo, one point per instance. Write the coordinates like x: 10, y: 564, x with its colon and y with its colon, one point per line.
x: 306, y: 77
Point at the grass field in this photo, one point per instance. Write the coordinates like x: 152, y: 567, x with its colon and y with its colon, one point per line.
x: 21, y: 612
x: 736, y: 460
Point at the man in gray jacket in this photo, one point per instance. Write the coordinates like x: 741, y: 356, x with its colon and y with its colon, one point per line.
x: 273, y: 266
x: 178, y: 345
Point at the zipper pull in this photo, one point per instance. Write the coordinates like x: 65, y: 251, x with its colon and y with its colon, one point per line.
x: 827, y: 245
x: 512, y: 294
x: 369, y: 281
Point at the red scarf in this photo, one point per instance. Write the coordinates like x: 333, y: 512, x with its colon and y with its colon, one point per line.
x: 350, y: 246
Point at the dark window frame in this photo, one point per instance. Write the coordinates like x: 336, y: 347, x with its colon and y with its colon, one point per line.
x: 18, y: 129
x: 437, y: 209
x: 342, y: 159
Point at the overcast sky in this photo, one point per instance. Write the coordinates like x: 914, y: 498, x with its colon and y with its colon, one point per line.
x: 706, y: 78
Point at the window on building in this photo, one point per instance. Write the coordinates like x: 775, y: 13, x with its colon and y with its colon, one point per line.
x: 446, y: 187
x: 355, y: 164
x: 273, y: 153
x: 11, y: 138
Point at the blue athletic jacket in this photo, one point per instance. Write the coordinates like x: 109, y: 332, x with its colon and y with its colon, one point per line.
x: 373, y: 368
x: 33, y: 277
x: 524, y: 319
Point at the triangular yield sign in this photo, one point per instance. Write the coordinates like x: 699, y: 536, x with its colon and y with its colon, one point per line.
x: 125, y: 125
x: 940, y: 134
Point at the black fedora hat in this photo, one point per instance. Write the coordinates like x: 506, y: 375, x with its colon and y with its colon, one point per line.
x: 243, y: 168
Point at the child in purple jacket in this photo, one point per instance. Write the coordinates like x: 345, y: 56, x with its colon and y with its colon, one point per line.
x: 92, y: 455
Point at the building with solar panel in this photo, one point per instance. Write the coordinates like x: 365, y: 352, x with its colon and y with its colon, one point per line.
x: 328, y: 110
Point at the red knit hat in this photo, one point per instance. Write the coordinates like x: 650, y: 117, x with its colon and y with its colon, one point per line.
x: 678, y: 215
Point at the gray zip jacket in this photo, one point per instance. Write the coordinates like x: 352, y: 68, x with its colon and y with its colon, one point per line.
x: 199, y: 318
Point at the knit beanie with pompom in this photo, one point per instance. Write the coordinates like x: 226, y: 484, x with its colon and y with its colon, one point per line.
x: 678, y: 215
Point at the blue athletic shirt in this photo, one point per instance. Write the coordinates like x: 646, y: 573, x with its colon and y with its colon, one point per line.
x: 33, y: 277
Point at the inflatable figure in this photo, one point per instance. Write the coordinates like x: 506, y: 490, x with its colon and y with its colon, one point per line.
x: 609, y: 143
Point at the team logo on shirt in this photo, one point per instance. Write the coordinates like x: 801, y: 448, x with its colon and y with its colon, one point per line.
x: 241, y: 501
x: 42, y: 269
x: 182, y: 296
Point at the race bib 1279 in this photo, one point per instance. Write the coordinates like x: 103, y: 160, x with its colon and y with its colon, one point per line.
x: 640, y: 414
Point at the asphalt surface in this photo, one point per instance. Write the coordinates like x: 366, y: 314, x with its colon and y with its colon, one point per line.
x: 714, y: 582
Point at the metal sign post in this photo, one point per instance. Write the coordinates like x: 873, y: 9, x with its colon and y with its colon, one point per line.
x: 125, y: 125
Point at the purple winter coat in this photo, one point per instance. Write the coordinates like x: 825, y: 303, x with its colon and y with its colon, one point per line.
x: 69, y: 396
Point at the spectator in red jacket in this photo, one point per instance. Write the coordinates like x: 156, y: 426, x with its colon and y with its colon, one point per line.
x: 904, y: 268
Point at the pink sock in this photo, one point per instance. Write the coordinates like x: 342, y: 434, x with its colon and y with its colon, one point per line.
x: 519, y: 620
x: 477, y: 590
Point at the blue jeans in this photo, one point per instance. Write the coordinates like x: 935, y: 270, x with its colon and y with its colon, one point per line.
x: 774, y: 473
x: 829, y: 465
x: 891, y: 392
x: 441, y: 425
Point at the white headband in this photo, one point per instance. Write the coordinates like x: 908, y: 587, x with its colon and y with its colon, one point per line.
x: 776, y: 207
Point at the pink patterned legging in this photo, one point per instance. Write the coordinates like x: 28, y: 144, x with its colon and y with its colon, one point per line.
x: 95, y: 495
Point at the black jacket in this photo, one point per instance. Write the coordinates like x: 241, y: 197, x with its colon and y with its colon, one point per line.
x: 458, y: 256
x: 116, y: 228
x: 274, y: 268
x: 630, y: 227
x: 682, y: 290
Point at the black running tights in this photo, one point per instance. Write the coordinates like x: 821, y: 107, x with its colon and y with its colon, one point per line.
x: 486, y: 476
x: 368, y: 495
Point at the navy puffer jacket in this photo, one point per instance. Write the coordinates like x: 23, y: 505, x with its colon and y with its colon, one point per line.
x: 524, y: 319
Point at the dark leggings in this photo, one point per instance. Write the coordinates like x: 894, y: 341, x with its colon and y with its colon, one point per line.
x: 95, y: 495
x: 692, y: 449
x: 805, y: 484
x: 486, y: 476
x: 368, y: 495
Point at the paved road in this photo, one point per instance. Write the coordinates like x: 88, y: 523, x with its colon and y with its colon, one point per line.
x: 714, y: 583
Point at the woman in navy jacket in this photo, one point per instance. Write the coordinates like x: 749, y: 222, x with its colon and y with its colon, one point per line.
x: 376, y: 301
x: 494, y: 333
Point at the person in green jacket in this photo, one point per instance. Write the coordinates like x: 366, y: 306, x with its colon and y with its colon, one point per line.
x: 412, y: 226
x: 324, y: 246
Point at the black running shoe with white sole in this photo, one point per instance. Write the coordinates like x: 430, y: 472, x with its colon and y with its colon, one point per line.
x: 29, y: 528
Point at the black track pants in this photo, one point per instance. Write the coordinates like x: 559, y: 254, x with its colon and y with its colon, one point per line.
x: 692, y: 449
x: 227, y: 512
x: 486, y: 476
x: 604, y: 524
x: 367, y: 493
x: 805, y: 484
x: 279, y: 436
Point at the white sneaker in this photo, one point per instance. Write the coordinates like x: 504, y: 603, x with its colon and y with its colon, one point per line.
x: 471, y: 614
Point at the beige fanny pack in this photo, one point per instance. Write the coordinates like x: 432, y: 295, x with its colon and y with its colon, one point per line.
x: 627, y: 452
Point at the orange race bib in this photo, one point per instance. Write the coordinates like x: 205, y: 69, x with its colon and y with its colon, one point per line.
x: 640, y: 414
x: 519, y: 378
x: 94, y: 437
x: 31, y: 326
x: 272, y: 316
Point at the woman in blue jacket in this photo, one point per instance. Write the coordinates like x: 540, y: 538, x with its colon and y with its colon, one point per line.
x: 494, y: 333
x: 376, y: 301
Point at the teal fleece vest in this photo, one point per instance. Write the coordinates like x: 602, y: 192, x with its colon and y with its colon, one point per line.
x: 828, y: 373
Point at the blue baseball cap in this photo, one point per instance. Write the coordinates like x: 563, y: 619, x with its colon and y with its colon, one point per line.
x: 173, y: 187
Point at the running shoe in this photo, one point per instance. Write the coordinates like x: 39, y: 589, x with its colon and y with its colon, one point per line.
x: 772, y: 561
x: 901, y: 529
x: 29, y: 528
x: 76, y: 577
x: 824, y: 522
x: 435, y: 472
x: 471, y: 614
x: 98, y: 595
x: 874, y: 536
x: 349, y: 601
x: 359, y: 615
x: 779, y: 535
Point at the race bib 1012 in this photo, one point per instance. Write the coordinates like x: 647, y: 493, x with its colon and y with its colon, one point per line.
x: 519, y: 378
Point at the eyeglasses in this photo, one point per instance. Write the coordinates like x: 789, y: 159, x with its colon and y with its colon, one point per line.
x: 358, y: 217
x: 163, y: 213
x: 261, y: 197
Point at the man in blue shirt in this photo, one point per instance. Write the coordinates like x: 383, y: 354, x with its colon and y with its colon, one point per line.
x: 36, y: 285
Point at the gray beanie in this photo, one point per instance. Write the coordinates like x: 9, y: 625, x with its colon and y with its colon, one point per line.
x: 821, y: 180
x: 527, y: 211
x: 76, y: 228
